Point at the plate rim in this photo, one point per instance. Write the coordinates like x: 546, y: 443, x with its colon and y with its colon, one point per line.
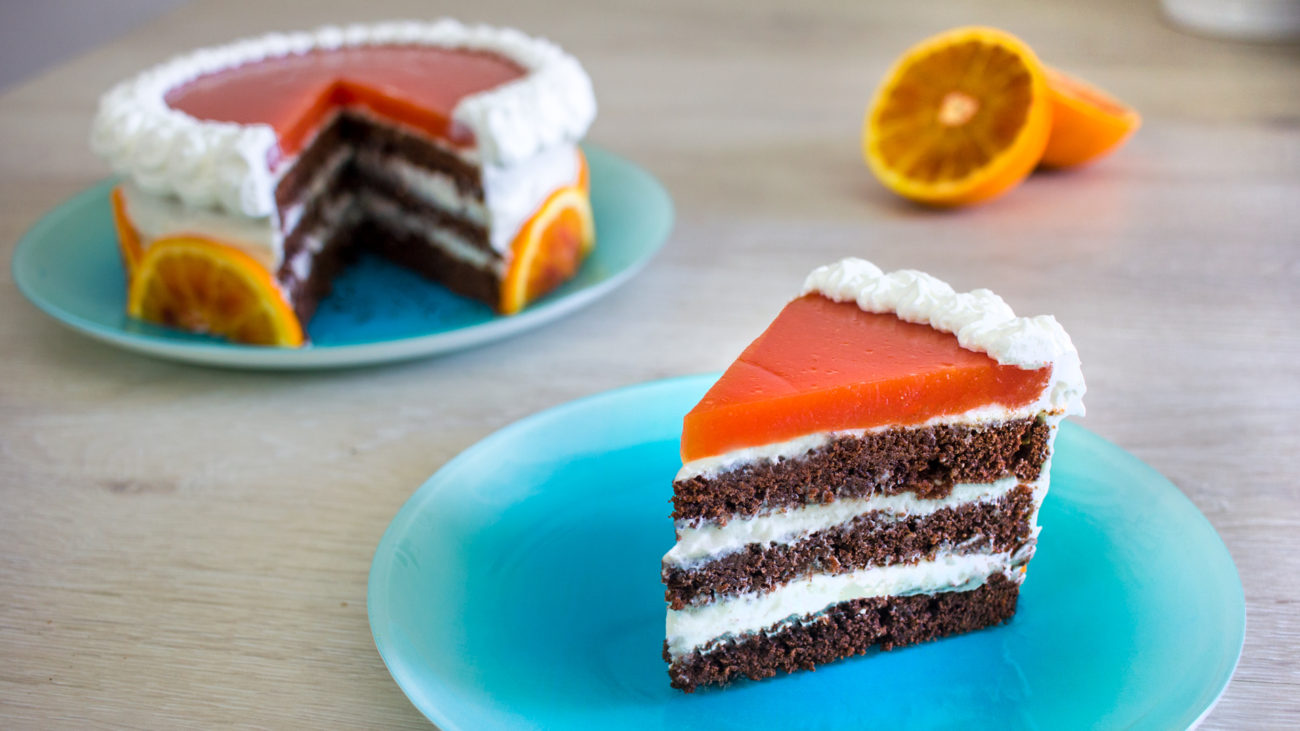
x: 321, y: 357
x: 425, y: 492
x: 380, y: 567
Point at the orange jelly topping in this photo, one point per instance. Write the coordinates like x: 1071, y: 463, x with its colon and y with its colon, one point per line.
x: 415, y: 85
x: 824, y: 365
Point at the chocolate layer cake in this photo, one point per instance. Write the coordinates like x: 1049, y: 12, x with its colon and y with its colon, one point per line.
x: 434, y: 144
x: 868, y: 473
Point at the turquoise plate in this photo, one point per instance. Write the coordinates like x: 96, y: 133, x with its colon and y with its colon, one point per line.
x: 519, y: 588
x: 68, y: 266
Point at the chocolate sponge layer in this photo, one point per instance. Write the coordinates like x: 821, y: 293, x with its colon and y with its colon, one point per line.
x: 924, y: 460
x: 847, y: 629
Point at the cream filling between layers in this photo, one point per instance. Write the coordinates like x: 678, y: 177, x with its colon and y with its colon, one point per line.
x: 511, y: 195
x: 456, y: 246
x: 292, y: 215
x: 435, y: 187
x: 337, y: 214
x: 693, y: 627
x: 699, y: 544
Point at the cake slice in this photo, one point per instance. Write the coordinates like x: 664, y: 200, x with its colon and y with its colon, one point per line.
x: 868, y: 472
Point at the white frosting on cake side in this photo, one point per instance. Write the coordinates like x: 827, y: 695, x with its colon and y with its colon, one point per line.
x: 513, y: 194
x: 155, y: 217
x: 980, y: 320
x: 227, y: 166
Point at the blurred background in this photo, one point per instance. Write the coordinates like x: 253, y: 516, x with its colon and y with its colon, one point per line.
x: 34, y: 35
x: 750, y: 111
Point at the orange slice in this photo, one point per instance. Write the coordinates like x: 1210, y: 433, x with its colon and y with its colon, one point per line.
x: 961, y: 118
x: 204, y: 286
x: 584, y: 174
x: 1087, y: 123
x: 550, y: 247
x: 128, y: 239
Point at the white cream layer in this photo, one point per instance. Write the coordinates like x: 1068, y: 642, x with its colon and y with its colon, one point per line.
x: 434, y: 187
x: 338, y: 213
x: 708, y: 542
x: 456, y: 247
x: 511, y: 195
x: 325, y: 175
x: 693, y: 627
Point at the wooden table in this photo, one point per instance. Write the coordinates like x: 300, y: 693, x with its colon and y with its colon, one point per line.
x: 183, y: 545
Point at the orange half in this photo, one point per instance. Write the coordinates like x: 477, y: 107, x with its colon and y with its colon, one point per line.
x: 962, y: 117
x: 551, y: 246
x: 1087, y: 123
x: 207, y: 287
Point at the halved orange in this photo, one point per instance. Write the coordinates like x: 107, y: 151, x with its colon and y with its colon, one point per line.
x: 962, y: 117
x: 128, y: 239
x: 1087, y: 123
x: 549, y: 248
x: 203, y: 286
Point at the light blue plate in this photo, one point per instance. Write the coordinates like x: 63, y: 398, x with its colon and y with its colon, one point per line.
x: 519, y: 588
x: 68, y: 266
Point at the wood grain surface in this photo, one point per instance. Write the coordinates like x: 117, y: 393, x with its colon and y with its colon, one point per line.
x: 188, y: 546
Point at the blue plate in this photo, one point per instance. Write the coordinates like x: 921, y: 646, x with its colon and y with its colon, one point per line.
x: 519, y: 588
x: 68, y: 266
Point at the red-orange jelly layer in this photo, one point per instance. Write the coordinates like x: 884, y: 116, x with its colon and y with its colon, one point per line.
x: 824, y: 365
x: 416, y: 85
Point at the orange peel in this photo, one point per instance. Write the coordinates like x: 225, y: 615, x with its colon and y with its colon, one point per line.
x: 1087, y: 123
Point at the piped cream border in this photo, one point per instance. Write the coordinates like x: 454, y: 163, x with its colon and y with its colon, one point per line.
x: 226, y: 166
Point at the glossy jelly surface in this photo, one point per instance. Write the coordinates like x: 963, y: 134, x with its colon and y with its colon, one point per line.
x: 415, y: 85
x: 824, y: 365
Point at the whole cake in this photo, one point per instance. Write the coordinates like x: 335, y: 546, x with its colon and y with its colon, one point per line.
x: 868, y: 472
x: 258, y: 167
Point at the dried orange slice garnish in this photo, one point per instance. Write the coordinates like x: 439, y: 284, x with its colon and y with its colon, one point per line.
x: 962, y: 117
x: 203, y: 286
x: 128, y: 239
x: 1086, y: 121
x: 550, y: 246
